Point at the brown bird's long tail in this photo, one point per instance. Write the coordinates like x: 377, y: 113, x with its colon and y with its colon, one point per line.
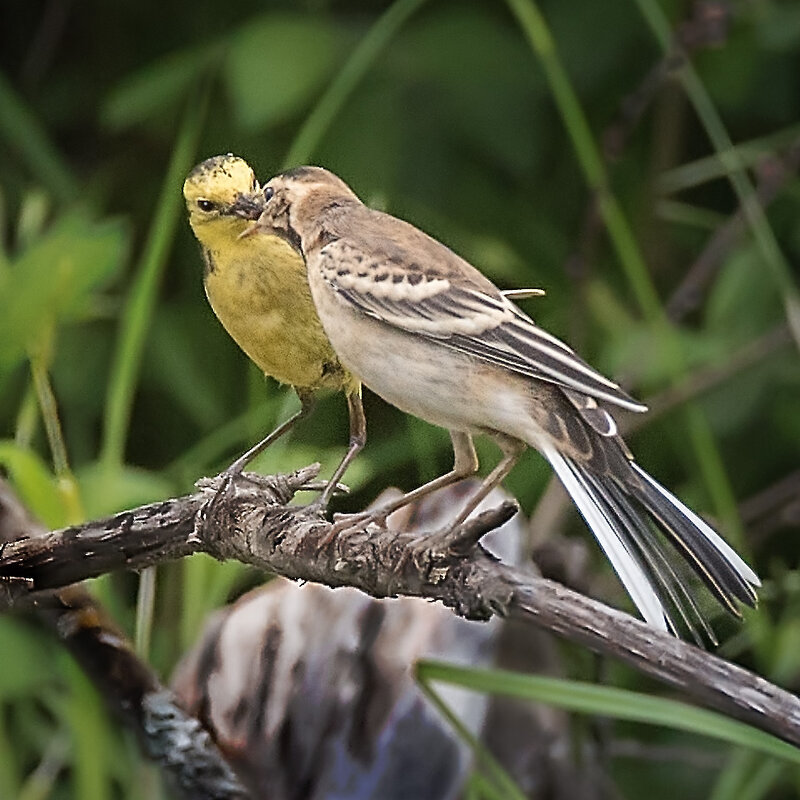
x: 631, y: 518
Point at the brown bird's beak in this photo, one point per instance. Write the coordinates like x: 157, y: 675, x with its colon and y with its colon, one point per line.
x: 249, y: 231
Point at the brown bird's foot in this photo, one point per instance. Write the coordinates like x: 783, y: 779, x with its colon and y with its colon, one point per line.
x: 304, y: 480
x: 228, y: 477
x: 429, y: 552
x: 320, y: 505
x: 226, y: 480
x: 458, y: 540
x: 223, y: 486
x: 361, y: 519
x: 233, y: 470
x: 351, y: 522
x: 429, y: 549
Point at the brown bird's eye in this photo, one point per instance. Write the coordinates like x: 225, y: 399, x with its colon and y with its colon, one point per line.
x: 205, y: 205
x: 268, y: 193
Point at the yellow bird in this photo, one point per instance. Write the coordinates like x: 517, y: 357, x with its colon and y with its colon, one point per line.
x: 430, y: 334
x: 258, y: 288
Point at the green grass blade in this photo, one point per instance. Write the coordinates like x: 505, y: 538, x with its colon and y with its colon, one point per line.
x: 49, y: 411
x: 708, y: 168
x: 10, y: 778
x: 141, y: 300
x: 538, y: 34
x: 689, y: 215
x: 746, y: 776
x: 40, y: 784
x: 67, y: 485
x: 92, y: 749
x: 145, y: 612
x: 351, y: 74
x: 608, y: 701
x: 498, y: 777
x: 23, y: 132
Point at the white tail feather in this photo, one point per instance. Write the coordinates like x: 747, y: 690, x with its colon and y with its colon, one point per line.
x: 719, y: 543
x: 624, y: 563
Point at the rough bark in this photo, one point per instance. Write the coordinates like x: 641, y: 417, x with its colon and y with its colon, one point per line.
x: 249, y: 519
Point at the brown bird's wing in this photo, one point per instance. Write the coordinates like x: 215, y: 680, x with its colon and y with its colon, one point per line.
x: 393, y: 272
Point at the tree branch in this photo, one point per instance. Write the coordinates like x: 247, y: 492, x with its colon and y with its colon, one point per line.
x: 172, y: 738
x: 249, y: 519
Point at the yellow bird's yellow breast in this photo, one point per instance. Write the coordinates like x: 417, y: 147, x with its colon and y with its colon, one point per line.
x: 258, y: 289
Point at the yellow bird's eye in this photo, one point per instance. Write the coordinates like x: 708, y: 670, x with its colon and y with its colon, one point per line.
x: 205, y: 205
x: 268, y: 193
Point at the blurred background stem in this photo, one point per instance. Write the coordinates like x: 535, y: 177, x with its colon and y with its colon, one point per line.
x: 701, y: 438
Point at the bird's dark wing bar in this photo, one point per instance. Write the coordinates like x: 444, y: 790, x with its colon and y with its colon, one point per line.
x: 463, y: 317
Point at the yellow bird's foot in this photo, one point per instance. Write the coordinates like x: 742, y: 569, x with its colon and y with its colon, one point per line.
x: 323, y: 486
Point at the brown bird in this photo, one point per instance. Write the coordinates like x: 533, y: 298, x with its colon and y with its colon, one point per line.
x: 430, y: 334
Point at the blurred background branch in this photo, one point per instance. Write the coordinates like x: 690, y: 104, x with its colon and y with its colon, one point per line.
x: 173, y: 739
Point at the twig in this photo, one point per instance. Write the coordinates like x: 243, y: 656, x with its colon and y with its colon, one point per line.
x: 707, y: 26
x: 773, y: 174
x: 773, y: 508
x: 703, y: 379
x: 250, y: 520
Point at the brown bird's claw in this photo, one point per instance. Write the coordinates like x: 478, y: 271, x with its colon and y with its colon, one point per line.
x: 348, y: 522
x: 351, y: 522
x: 456, y: 541
x: 438, y: 547
x: 340, y: 490
x: 320, y: 505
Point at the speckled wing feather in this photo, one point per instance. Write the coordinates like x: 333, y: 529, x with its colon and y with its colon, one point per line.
x: 393, y: 272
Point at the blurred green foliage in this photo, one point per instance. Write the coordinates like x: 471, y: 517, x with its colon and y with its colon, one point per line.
x: 442, y: 113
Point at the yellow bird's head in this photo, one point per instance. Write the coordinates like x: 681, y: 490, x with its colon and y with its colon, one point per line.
x: 223, y: 198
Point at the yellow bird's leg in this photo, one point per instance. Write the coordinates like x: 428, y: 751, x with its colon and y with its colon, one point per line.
x: 358, y: 438
x: 465, y: 463
x: 237, y: 467
x: 306, y: 404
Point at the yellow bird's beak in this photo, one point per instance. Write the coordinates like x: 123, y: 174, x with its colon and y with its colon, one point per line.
x: 247, y: 206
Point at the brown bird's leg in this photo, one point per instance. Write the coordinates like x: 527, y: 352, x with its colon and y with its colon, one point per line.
x: 444, y: 539
x: 306, y: 404
x: 358, y: 438
x: 465, y: 463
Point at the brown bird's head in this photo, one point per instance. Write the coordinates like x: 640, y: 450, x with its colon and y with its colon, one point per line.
x: 296, y: 201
